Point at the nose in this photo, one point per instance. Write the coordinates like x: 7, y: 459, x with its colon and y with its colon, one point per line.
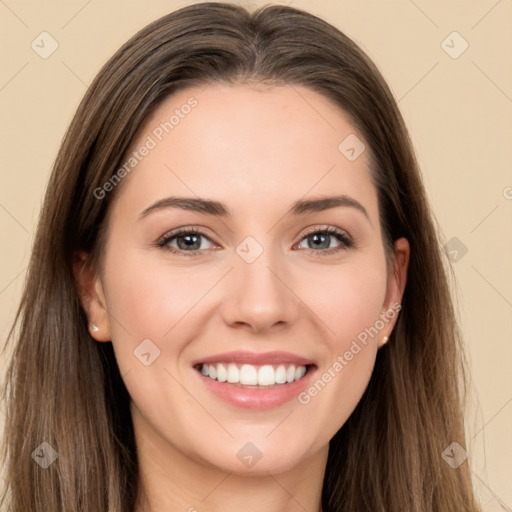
x: 259, y: 294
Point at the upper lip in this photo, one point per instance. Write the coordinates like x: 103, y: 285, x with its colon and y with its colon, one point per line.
x: 254, y: 358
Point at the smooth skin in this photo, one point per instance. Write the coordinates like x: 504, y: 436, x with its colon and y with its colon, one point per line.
x: 257, y: 150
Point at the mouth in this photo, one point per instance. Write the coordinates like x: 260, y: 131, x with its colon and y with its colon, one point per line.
x: 254, y: 381
x: 251, y: 376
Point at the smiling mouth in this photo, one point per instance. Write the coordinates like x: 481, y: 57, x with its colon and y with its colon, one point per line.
x: 254, y: 376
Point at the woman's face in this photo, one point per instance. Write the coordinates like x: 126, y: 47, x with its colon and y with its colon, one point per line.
x: 260, y: 289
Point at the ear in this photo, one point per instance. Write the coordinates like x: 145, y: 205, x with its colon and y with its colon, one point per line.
x: 395, y: 286
x: 92, y: 297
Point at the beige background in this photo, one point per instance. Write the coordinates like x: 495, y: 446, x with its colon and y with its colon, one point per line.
x: 459, y: 112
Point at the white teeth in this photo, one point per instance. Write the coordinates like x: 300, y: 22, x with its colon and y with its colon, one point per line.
x: 222, y: 374
x: 266, y: 375
x: 300, y: 371
x: 233, y: 373
x: 250, y: 375
x: 280, y: 374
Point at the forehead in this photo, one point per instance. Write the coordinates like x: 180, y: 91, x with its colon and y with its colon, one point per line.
x: 249, y: 147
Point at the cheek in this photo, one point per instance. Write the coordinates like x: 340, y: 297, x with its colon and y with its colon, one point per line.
x: 147, y: 296
x: 347, y: 300
x: 348, y: 303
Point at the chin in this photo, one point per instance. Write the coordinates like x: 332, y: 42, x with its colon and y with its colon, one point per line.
x: 247, y: 458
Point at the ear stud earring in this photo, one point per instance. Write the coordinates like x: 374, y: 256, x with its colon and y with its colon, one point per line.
x: 384, y: 340
x: 94, y: 327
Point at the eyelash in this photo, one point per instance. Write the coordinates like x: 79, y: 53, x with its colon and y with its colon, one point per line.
x: 346, y: 241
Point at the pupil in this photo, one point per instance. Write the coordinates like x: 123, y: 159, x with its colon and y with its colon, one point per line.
x: 188, y: 240
x: 316, y: 238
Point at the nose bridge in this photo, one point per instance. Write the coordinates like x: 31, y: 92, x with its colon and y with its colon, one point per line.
x: 259, y: 295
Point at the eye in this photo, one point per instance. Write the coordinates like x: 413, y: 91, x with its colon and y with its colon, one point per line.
x: 321, y: 239
x: 188, y: 241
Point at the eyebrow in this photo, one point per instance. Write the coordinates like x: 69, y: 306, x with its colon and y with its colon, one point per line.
x: 218, y: 209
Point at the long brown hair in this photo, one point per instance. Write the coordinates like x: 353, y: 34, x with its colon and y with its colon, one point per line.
x: 65, y: 389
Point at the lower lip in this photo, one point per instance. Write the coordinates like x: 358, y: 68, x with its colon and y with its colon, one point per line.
x: 247, y: 398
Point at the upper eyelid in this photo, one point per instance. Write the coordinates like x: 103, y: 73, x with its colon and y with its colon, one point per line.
x: 325, y: 227
x: 185, y: 230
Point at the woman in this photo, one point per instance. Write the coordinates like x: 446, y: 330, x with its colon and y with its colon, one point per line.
x: 236, y: 296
